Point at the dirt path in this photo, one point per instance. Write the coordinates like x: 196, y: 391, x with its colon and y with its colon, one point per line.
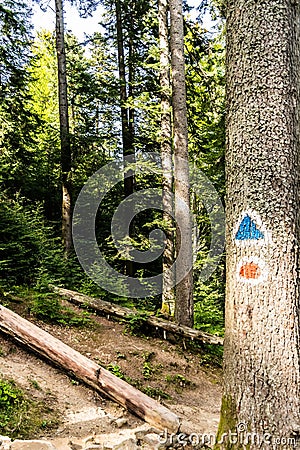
x: 174, y: 376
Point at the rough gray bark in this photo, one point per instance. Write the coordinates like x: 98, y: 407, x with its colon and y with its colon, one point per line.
x: 168, y: 294
x: 261, y: 361
x: 66, y: 158
x: 184, y: 308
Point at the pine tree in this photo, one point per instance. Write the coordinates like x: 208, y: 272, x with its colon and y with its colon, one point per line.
x: 17, y: 123
x: 168, y: 294
x: 66, y: 155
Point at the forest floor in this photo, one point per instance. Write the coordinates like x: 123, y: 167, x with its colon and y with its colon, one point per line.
x: 179, y: 378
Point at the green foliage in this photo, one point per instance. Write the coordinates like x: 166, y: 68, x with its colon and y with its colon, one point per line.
x: 148, y: 356
x: 153, y: 392
x: 156, y: 393
x: 179, y: 380
x: 8, y: 394
x: 206, y: 102
x: 137, y: 323
x: 49, y: 308
x: 120, y: 355
x: 30, y: 205
x: 28, y: 251
x: 20, y: 243
x: 116, y: 370
x: 17, y: 122
x: 148, y: 370
x: 210, y: 354
x: 14, y: 41
x: 21, y: 417
x: 42, y: 88
x: 209, y: 303
x: 209, y: 315
x: 11, y: 403
x: 205, y: 69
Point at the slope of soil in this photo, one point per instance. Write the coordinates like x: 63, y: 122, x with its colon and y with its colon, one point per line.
x: 174, y: 376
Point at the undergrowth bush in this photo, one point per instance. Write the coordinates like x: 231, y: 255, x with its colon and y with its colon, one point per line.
x: 49, y: 308
x: 29, y: 252
x: 19, y: 244
x: 20, y: 416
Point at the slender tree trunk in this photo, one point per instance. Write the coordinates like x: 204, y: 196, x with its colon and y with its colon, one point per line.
x: 168, y: 294
x: 184, y: 308
x: 261, y: 362
x: 131, y: 81
x: 64, y: 128
x: 127, y: 140
x: 97, y: 117
x: 127, y: 126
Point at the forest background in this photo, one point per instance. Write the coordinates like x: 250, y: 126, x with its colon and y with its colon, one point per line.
x: 31, y: 252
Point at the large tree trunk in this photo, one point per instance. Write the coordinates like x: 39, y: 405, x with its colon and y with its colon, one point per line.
x: 184, y: 308
x: 261, y: 362
x: 66, y: 159
x: 168, y: 294
x: 87, y: 370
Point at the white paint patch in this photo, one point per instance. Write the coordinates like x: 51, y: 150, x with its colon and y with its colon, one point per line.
x: 250, y: 230
x: 251, y: 270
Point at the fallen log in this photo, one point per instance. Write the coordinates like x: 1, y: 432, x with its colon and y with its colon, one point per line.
x: 107, y: 308
x: 86, y: 370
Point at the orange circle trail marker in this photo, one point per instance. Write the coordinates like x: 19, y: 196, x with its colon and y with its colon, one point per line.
x: 251, y: 270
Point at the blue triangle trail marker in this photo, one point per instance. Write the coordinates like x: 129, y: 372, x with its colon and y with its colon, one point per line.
x: 248, y: 230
